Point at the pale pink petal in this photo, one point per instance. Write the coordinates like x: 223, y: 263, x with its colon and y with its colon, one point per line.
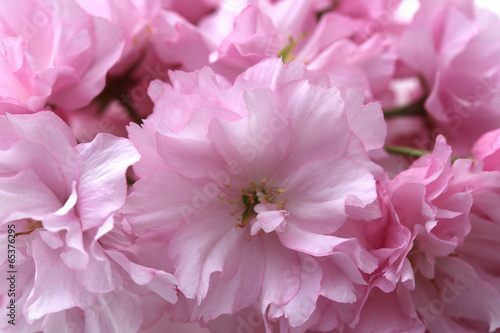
x: 106, y: 52
x: 33, y: 156
x: 282, y: 276
x: 204, y: 257
x: 366, y: 121
x: 177, y: 153
x: 48, y: 297
x: 38, y: 200
x: 268, y: 219
x: 160, y: 282
x: 340, y: 277
x: 398, y: 313
x: 481, y: 299
x: 260, y: 139
x: 144, y: 139
x: 117, y: 311
x: 238, y: 290
x: 308, y: 106
x: 487, y: 149
x: 303, y: 304
x: 321, y: 205
x: 103, y: 163
x: 154, y: 201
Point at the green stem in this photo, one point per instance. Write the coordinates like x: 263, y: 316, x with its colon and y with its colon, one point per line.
x: 411, y: 152
x: 414, y: 109
x: 406, y: 151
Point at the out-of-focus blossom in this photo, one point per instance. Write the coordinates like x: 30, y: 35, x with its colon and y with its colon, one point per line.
x: 448, y: 285
x: 342, y: 46
x: 157, y: 39
x: 425, y: 202
x: 480, y: 289
x: 457, y: 56
x: 152, y: 22
x: 52, y: 52
x: 389, y: 286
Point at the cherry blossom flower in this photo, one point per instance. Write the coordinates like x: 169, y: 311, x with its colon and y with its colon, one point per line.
x: 156, y: 40
x: 61, y: 198
x: 340, y: 45
x: 248, y: 201
x: 457, y: 57
x: 389, y: 286
x: 225, y: 166
x: 446, y: 284
x: 52, y: 52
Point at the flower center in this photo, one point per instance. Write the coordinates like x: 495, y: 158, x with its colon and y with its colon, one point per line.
x: 251, y: 196
x: 32, y: 225
x: 286, y: 54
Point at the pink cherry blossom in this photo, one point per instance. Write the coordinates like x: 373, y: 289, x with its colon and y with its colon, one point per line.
x: 457, y: 57
x: 336, y: 44
x: 74, y: 273
x: 451, y: 290
x: 242, y: 155
x: 225, y: 166
x: 153, y: 22
x: 52, y: 52
x: 390, y: 241
x: 156, y: 39
x: 438, y: 213
x: 476, y: 258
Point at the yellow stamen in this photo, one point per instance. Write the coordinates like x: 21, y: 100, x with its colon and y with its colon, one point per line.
x: 32, y: 225
x: 286, y: 54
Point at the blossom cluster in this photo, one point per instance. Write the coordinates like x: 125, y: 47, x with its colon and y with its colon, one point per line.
x: 252, y: 166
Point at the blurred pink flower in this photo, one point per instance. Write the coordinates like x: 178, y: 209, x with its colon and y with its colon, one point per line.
x: 389, y: 286
x: 450, y: 282
x: 479, y: 303
x: 52, y: 52
x: 457, y: 56
x: 157, y: 39
x: 425, y: 202
x: 156, y: 23
x: 281, y: 155
x: 344, y: 47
